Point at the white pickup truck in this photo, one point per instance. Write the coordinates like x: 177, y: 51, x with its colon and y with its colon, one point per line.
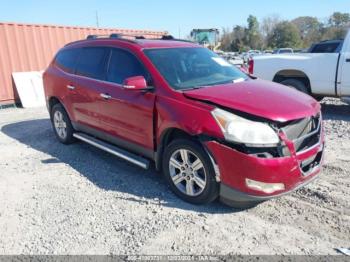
x: 318, y: 74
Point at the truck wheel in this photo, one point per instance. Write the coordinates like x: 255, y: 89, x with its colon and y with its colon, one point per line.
x: 189, y: 172
x: 62, y: 125
x: 318, y: 98
x: 297, y: 84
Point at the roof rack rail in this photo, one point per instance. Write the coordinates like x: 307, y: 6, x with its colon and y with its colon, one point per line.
x: 167, y: 37
x: 127, y: 37
x: 96, y: 36
x: 170, y: 37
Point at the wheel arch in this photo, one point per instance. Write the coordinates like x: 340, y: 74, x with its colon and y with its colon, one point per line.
x: 293, y: 74
x: 53, y: 100
x: 168, y: 135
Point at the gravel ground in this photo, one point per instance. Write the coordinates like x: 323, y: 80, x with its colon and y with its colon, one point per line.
x: 76, y: 199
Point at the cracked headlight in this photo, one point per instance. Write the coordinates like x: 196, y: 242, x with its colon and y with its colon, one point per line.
x: 240, y: 130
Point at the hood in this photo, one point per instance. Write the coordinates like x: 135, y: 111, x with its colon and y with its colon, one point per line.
x: 260, y: 98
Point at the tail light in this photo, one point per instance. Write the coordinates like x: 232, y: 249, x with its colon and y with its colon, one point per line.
x: 251, y: 66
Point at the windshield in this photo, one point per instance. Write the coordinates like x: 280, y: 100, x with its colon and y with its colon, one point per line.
x: 187, y: 68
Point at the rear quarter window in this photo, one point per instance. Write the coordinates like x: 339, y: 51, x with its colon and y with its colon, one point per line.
x: 67, y: 59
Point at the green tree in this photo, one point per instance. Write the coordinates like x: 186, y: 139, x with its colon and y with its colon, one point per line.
x: 339, y: 19
x: 239, y: 39
x: 330, y: 33
x: 337, y: 26
x: 268, y: 25
x: 285, y: 34
x: 254, y: 38
x: 309, y: 29
x: 226, y: 39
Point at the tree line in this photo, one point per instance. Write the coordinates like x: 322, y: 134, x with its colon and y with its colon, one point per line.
x: 272, y: 32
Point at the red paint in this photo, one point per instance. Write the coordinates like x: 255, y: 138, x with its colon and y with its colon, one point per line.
x: 235, y: 167
x: 135, y: 83
x: 142, y: 117
x: 251, y: 66
x: 260, y: 98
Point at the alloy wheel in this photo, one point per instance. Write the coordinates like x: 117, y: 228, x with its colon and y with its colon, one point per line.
x: 187, y: 172
x: 60, y: 125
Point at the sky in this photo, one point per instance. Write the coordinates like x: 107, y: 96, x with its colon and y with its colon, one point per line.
x: 178, y: 17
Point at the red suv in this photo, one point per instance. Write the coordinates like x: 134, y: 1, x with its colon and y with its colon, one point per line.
x: 211, y: 129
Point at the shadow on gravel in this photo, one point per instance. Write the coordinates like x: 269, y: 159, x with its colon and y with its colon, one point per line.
x: 335, y: 111
x: 102, y: 169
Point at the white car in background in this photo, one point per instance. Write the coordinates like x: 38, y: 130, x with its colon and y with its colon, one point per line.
x: 317, y: 74
x: 283, y: 51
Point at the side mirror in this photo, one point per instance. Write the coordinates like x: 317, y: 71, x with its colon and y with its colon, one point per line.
x: 135, y: 83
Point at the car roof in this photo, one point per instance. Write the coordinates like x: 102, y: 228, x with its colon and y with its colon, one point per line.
x: 138, y: 43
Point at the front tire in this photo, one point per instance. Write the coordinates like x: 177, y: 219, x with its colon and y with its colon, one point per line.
x: 62, y: 125
x: 189, y: 172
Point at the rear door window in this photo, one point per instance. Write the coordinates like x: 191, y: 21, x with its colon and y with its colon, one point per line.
x: 92, y: 62
x: 67, y: 59
x: 325, y: 48
x: 123, y: 65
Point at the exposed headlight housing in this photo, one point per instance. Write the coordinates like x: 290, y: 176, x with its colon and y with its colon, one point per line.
x: 240, y: 130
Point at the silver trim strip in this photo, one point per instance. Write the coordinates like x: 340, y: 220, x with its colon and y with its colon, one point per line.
x: 113, y: 152
x: 309, y: 148
x: 105, y: 96
x: 311, y: 133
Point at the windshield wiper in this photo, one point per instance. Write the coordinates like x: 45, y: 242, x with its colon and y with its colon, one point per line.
x: 192, y: 88
x: 237, y: 80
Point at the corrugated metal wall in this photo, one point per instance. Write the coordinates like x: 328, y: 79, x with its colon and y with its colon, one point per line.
x: 29, y: 47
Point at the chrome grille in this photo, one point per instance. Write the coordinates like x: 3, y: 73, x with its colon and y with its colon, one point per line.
x: 305, y: 132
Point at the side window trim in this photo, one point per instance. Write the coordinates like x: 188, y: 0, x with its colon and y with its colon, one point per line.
x: 76, y: 62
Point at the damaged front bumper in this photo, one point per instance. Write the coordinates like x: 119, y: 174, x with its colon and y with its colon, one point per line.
x: 252, y: 178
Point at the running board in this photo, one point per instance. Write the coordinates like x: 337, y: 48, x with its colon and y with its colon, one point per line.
x: 114, y: 150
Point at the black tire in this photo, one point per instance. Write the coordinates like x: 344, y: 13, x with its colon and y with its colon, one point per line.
x: 210, y: 191
x: 296, y: 84
x: 318, y: 98
x: 68, y: 137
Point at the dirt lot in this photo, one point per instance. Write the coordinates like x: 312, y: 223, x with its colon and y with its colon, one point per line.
x: 76, y: 199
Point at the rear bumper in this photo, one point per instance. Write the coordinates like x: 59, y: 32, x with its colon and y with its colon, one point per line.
x: 235, y: 167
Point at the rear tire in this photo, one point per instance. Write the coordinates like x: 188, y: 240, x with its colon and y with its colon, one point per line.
x: 62, y: 125
x: 296, y: 84
x: 189, y: 172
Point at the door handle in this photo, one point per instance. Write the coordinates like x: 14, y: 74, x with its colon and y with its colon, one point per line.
x: 347, y: 60
x: 70, y: 87
x: 105, y: 96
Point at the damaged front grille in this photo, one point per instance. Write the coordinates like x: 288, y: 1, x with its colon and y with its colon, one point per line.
x: 305, y: 132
